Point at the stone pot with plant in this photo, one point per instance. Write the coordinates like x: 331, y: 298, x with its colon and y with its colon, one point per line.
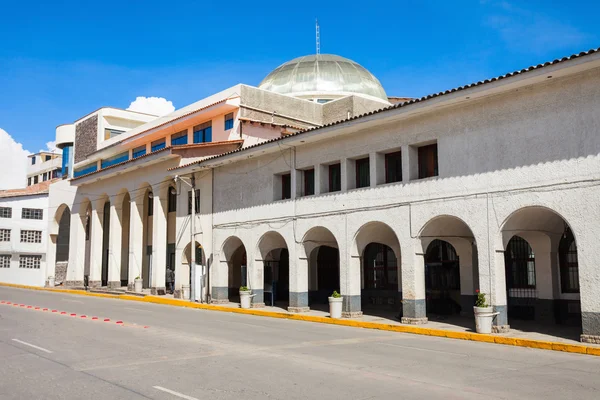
x: 335, y: 305
x: 245, y: 297
x: 137, y: 285
x: 484, y: 314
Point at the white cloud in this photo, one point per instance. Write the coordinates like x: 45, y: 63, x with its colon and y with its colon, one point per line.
x: 152, y: 105
x: 13, y: 162
x: 51, y: 147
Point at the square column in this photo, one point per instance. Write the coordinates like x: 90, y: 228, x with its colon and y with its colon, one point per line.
x: 76, y: 252
x: 413, y: 288
x: 136, y: 240
x: 492, y: 280
x: 96, y: 238
x: 350, y: 286
x: 298, y: 296
x: 219, y: 276
x: 159, y: 240
x: 114, y: 244
x: 257, y: 283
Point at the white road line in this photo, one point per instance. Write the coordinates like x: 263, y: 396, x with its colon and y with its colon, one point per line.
x: 174, y: 393
x: 73, y: 301
x: 32, y: 345
x: 137, y: 309
x: 422, y: 349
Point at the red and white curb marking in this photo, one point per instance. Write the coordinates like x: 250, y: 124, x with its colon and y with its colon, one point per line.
x: 119, y: 322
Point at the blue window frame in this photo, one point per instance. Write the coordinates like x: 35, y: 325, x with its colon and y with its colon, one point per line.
x: 179, y: 138
x: 86, y: 170
x: 119, y: 158
x: 203, y: 133
x: 228, y: 121
x: 138, y: 152
x: 158, y: 144
x: 66, y: 156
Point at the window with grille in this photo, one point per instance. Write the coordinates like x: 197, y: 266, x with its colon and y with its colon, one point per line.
x: 5, y: 261
x: 32, y: 213
x: 30, y: 262
x: 197, y: 199
x: 428, y: 161
x: 31, y: 236
x: 569, y: 267
x: 5, y: 212
x: 4, y: 235
x: 380, y: 267
x: 519, y: 261
x: 363, y: 178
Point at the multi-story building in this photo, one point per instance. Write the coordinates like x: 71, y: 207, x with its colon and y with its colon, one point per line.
x: 43, y: 166
x: 23, y: 236
x: 315, y: 181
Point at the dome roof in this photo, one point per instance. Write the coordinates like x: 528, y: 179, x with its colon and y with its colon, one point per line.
x: 322, y: 74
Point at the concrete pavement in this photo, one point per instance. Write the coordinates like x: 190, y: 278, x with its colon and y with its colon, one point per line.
x: 198, y: 354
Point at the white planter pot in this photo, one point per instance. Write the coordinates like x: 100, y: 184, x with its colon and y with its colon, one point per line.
x: 137, y: 286
x: 185, y: 292
x: 245, y: 298
x: 484, y: 317
x: 335, y: 307
x: 50, y: 281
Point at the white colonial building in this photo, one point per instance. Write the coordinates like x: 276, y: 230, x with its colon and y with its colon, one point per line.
x: 43, y: 166
x: 317, y: 181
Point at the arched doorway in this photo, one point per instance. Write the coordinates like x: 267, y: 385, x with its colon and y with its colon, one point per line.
x: 234, y: 265
x: 323, y: 262
x: 276, y: 269
x: 187, y: 268
x: 442, y: 279
x: 541, y: 271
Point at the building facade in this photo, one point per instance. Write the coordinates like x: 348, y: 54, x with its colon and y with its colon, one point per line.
x: 43, y: 166
x: 314, y: 183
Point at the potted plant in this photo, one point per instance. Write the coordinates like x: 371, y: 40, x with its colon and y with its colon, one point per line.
x: 137, y: 284
x: 335, y: 305
x: 484, y: 314
x: 245, y: 297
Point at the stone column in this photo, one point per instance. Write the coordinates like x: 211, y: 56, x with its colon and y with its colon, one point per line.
x: 115, y: 242
x: 136, y: 239
x: 298, y: 301
x: 159, y: 240
x: 492, y: 280
x: 588, y: 243
x: 96, y: 238
x: 257, y: 283
x: 76, y: 251
x: 350, y: 286
x: 413, y: 287
x: 220, y: 280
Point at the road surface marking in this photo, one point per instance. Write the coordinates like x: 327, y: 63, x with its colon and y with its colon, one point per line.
x: 136, y: 309
x: 73, y: 301
x: 32, y: 345
x: 174, y: 393
x: 422, y: 349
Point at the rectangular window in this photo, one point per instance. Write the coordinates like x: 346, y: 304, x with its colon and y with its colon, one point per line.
x: 228, y: 121
x: 88, y: 169
x: 335, y: 177
x: 197, y: 208
x: 203, y: 133
x: 114, y: 160
x: 309, y: 182
x: 47, y: 158
x: 286, y: 186
x: 32, y: 213
x: 35, y: 179
x: 428, y: 161
x: 151, y: 206
x: 57, y: 173
x: 111, y: 133
x: 138, y: 152
x: 44, y: 177
x: 179, y: 138
x: 393, y: 167
x: 4, y: 235
x: 172, y: 199
x: 66, y: 157
x: 158, y: 144
x: 5, y: 212
x: 29, y: 181
x: 31, y: 236
x: 33, y: 160
x: 363, y: 178
x: 5, y: 261
x: 30, y: 262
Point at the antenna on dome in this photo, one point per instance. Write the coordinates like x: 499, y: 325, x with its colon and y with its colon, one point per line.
x: 318, y: 36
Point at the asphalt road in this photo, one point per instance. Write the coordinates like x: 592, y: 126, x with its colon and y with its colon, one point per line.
x: 163, y: 352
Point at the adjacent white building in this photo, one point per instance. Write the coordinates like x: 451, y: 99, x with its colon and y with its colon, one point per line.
x: 23, y: 235
x: 317, y: 181
x: 43, y: 166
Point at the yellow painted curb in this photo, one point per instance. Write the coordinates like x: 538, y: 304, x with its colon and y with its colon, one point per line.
x: 411, y: 329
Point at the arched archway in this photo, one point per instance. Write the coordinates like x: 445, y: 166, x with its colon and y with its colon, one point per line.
x: 276, y: 269
x: 186, y: 258
x: 236, y: 260
x: 379, y: 250
x: 451, y: 266
x: 104, y: 205
x: 323, y: 263
x: 62, y: 219
x: 541, y: 269
x: 125, y: 215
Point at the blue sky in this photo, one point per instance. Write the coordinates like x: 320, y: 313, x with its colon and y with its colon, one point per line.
x: 61, y: 60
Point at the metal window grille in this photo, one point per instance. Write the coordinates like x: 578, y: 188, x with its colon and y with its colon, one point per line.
x: 4, y: 235
x: 30, y: 262
x: 4, y: 261
x: 569, y: 267
x: 32, y: 213
x: 31, y: 236
x: 380, y: 267
x: 5, y: 212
